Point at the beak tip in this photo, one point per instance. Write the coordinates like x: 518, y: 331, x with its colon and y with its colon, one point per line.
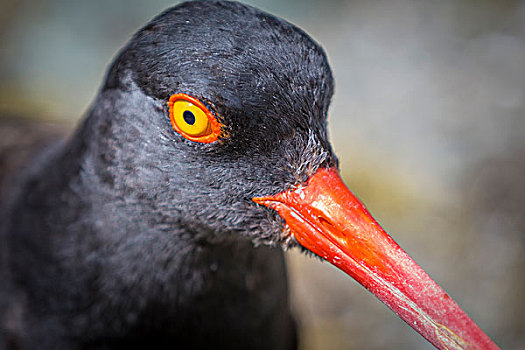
x: 327, y: 219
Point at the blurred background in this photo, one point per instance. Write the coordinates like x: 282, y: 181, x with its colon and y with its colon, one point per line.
x: 428, y: 121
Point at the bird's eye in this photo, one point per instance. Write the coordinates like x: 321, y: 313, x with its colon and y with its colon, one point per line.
x: 190, y: 118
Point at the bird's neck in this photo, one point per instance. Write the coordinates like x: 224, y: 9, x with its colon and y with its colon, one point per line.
x: 90, y: 251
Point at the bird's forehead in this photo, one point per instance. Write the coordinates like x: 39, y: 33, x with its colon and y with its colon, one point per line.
x: 227, y: 52
x: 266, y: 79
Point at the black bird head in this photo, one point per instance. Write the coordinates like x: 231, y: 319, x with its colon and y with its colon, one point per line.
x: 266, y: 81
x: 263, y: 87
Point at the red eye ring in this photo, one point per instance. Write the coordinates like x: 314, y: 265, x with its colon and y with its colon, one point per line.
x: 214, y: 128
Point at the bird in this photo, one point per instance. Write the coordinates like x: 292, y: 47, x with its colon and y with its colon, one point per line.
x: 161, y: 221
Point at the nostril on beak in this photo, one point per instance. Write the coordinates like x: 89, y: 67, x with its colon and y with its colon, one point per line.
x: 326, y: 223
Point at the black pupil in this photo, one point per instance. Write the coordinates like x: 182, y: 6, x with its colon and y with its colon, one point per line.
x: 188, y: 117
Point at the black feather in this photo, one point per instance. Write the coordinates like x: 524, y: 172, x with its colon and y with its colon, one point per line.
x: 129, y: 234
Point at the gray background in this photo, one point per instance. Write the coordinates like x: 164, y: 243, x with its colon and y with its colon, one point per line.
x: 428, y: 121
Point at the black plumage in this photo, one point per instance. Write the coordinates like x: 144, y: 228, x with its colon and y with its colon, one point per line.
x: 129, y: 235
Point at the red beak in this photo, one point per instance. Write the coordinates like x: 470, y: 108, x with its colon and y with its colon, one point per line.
x: 327, y: 219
